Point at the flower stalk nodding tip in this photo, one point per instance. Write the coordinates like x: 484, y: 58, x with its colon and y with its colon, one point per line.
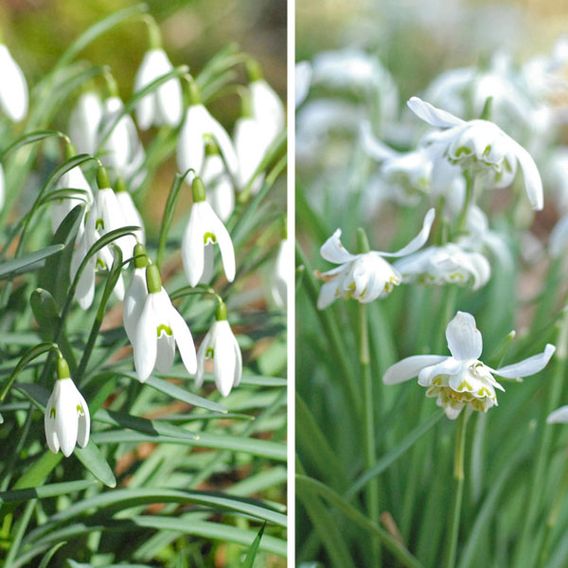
x: 63, y: 371
x: 103, y: 181
x: 153, y: 279
x: 211, y: 147
x: 120, y: 185
x: 487, y: 108
x: 254, y: 71
x: 221, y: 311
x: 362, y: 241
x: 70, y: 150
x: 246, y: 102
x: 194, y: 96
x: 198, y: 190
x: 140, y: 256
x: 154, y: 34
x: 111, y: 85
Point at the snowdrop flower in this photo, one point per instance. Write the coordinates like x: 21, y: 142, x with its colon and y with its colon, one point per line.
x: 67, y: 421
x: 461, y: 380
x: 365, y: 276
x: 129, y: 211
x: 252, y: 140
x: 122, y: 151
x: 85, y: 292
x: 559, y: 238
x: 164, y: 105
x: 204, y: 230
x: 84, y: 123
x: 479, y: 145
x: 160, y: 328
x: 279, y: 279
x: 221, y: 195
x: 197, y: 127
x: 221, y: 346
x: 73, y: 179
x: 559, y: 416
x: 13, y: 87
x: 447, y: 264
x: 136, y: 293
x: 111, y: 216
x: 303, y: 79
x: 266, y: 106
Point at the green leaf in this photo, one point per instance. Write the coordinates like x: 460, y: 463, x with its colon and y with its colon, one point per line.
x: 29, y: 262
x: 45, y: 491
x: 92, y: 458
x: 50, y: 554
x: 253, y: 550
x: 30, y: 138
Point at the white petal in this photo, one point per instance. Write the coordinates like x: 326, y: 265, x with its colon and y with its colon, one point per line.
x: 225, y: 358
x: 464, y: 339
x: 529, y: 366
x: 84, y: 423
x: 84, y: 122
x: 333, y: 251
x: 191, y: 147
x: 66, y: 418
x: 432, y: 115
x: 409, y: 368
x: 131, y: 216
x: 192, y: 246
x: 559, y: 416
x: 49, y: 425
x: 134, y: 300
x: 419, y: 240
x: 448, y: 367
x: 13, y: 87
x: 149, y: 70
x: 373, y: 146
x: 215, y: 225
x: 327, y: 294
x: 531, y: 176
x: 184, y: 341
x: 202, y: 357
x: 145, y: 343
x: 166, y: 352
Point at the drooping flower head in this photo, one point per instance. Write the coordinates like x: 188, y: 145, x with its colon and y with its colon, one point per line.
x: 160, y: 328
x: 136, y: 293
x: 365, y: 276
x: 13, y: 87
x: 67, y: 421
x: 205, y: 230
x: 479, y: 146
x: 220, y: 345
x: 84, y: 122
x: 461, y: 380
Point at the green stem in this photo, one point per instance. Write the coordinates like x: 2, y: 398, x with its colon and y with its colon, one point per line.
x: 458, y: 491
x: 372, y: 490
x: 468, y: 201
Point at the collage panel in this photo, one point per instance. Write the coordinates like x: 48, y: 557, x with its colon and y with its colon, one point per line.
x: 431, y: 321
x: 143, y: 284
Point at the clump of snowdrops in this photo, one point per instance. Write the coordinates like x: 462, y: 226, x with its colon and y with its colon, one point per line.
x: 465, y: 188
x: 143, y: 409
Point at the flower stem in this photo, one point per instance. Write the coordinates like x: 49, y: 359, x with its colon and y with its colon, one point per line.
x: 458, y: 491
x: 369, y: 418
x: 468, y: 201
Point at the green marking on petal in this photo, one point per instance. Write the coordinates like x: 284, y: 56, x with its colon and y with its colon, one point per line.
x: 210, y: 353
x: 99, y: 224
x: 164, y: 328
x: 209, y: 237
x: 79, y: 409
x: 52, y: 412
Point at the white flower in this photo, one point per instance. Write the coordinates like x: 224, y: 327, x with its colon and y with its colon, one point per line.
x: 84, y: 123
x: 252, y: 138
x: 221, y: 346
x: 73, y: 179
x: 136, y: 293
x: 122, y: 151
x: 197, y: 128
x: 164, y: 105
x: 86, y: 238
x: 447, y: 264
x: 67, y: 421
x: 160, y: 328
x: 130, y: 213
x: 204, y: 230
x: 111, y: 216
x: 220, y: 195
x: 481, y: 145
x: 559, y: 416
x: 366, y: 276
x: 461, y: 379
x: 303, y: 79
x: 279, y: 280
x: 13, y: 87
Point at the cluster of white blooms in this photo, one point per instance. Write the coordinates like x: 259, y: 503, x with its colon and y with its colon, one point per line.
x: 489, y: 130
x: 102, y: 126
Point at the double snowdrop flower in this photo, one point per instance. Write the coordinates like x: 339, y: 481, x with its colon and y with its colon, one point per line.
x: 461, y: 380
x: 447, y: 264
x: 205, y: 230
x: 198, y: 127
x: 164, y: 105
x: 480, y: 146
x: 365, y: 276
x: 67, y: 422
x: 84, y: 122
x: 220, y: 345
x: 13, y: 87
x: 159, y: 329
